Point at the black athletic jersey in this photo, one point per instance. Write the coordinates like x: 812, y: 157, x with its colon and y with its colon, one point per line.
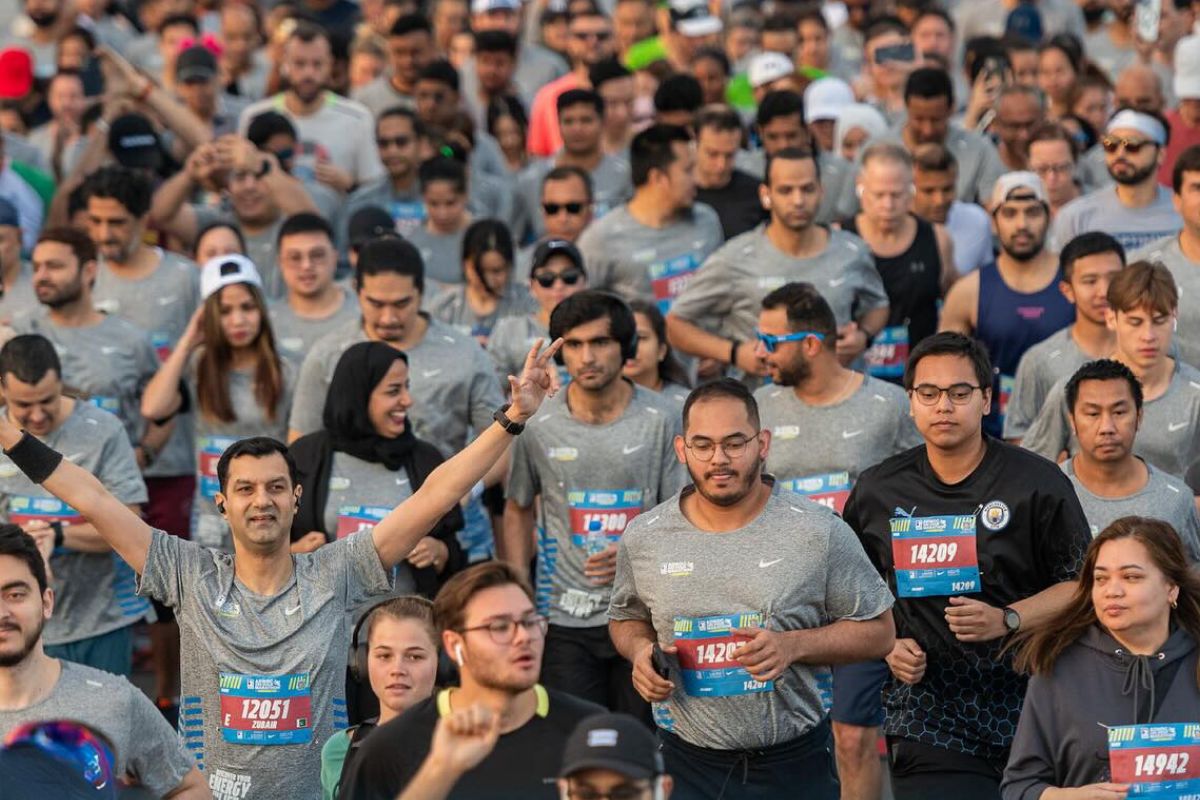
x: 736, y: 204
x: 1029, y: 533
x: 524, y: 763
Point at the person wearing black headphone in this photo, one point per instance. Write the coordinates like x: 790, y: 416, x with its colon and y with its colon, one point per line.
x: 597, y: 457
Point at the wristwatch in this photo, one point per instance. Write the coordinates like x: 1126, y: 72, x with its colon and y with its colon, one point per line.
x: 510, y: 427
x: 1012, y: 620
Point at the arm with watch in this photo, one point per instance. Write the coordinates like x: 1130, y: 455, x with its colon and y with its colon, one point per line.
x: 972, y: 620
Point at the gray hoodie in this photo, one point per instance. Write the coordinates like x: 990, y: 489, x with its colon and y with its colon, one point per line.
x: 1062, y: 740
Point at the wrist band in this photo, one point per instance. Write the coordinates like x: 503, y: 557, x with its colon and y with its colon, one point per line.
x: 59, y: 537
x: 34, y: 458
x: 733, y: 348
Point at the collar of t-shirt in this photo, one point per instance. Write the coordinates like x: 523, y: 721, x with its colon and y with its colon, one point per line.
x: 542, y: 710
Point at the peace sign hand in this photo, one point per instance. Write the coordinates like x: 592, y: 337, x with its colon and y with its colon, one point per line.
x: 538, y: 380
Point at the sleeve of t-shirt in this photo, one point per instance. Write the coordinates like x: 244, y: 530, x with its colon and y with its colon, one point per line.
x: 674, y: 475
x: 599, y: 267
x: 308, y: 403
x: 354, y: 566
x: 157, y: 759
x: 1190, y: 534
x: 854, y: 514
x: 523, y: 484
x: 543, y: 126
x: 486, y: 396
x: 118, y: 468
x: 907, y: 435
x: 173, y: 566
x: 1050, y: 433
x: 990, y: 170
x: 625, y: 603
x: 707, y: 297
x: 1022, y: 405
x: 853, y: 588
x: 871, y: 294
x: 1063, y: 535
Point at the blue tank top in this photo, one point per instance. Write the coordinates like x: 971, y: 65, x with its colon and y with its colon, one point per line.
x: 1009, y: 323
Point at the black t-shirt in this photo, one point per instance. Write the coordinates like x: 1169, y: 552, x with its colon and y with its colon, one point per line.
x: 524, y: 764
x: 736, y: 203
x: 1030, y: 533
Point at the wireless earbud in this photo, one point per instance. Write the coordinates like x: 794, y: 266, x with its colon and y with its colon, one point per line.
x: 458, y: 654
x: 858, y: 192
x: 221, y: 507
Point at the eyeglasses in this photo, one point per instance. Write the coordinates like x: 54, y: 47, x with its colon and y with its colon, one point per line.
x: 705, y: 449
x: 626, y: 791
x: 396, y: 141
x: 503, y: 631
x: 1112, y: 144
x: 599, y: 36
x: 959, y: 393
x: 1054, y: 169
x: 574, y: 209
x: 771, y: 342
x: 569, y: 277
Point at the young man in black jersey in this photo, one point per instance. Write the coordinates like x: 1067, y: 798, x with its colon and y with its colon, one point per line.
x: 977, y: 539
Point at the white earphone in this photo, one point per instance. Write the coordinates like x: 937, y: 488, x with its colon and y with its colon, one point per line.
x: 458, y: 654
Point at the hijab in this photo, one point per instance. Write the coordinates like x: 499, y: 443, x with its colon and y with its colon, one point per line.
x: 360, y: 369
x: 858, y: 115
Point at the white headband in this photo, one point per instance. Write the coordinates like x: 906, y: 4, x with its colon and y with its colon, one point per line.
x: 1143, y: 123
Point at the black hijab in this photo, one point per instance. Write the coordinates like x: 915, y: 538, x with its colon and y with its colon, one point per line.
x: 360, y: 369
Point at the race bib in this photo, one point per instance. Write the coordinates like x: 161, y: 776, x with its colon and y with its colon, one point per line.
x: 23, y: 509
x: 935, y: 555
x: 707, y: 647
x: 110, y: 404
x: 162, y: 345
x: 888, y: 353
x: 668, y: 279
x: 1161, y: 760
x: 353, y: 519
x: 612, y: 509
x: 830, y: 490
x: 208, y: 451
x: 581, y: 604
x: 408, y: 216
x: 266, y: 709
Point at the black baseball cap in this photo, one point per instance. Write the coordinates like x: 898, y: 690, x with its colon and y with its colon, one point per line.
x: 556, y: 247
x: 134, y: 143
x: 369, y: 222
x: 616, y: 742
x: 197, y: 63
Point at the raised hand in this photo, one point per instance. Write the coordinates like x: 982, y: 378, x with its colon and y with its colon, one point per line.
x: 538, y: 380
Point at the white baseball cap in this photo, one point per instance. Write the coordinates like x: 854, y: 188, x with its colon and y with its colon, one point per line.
x: 769, y: 67
x: 825, y: 98
x: 223, y: 271
x: 1187, y: 68
x: 484, y: 6
x: 693, y: 18
x: 1022, y: 181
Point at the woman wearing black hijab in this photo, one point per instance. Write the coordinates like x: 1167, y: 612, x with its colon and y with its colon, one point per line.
x: 366, y: 461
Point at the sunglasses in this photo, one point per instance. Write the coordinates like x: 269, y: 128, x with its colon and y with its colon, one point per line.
x: 770, y: 342
x: 569, y: 277
x: 1112, y: 144
x: 574, y: 209
x: 599, y: 36
x: 395, y: 141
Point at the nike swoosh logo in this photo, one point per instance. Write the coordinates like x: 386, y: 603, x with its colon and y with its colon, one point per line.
x: 431, y: 373
x: 850, y: 434
x: 290, y: 611
x: 107, y: 350
x: 627, y: 450
x: 835, y: 282
x: 764, y: 564
x: 74, y: 457
x: 167, y: 300
x: 1176, y: 426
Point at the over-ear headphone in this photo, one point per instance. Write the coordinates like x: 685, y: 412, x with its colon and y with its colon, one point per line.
x: 356, y: 660
x: 620, y: 315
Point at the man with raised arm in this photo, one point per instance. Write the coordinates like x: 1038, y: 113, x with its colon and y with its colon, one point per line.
x: 263, y: 631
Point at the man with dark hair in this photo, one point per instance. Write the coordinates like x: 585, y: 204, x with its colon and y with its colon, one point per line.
x: 1181, y: 253
x: 514, y: 728
x: 1142, y: 305
x: 537, y: 65
x: 409, y: 47
x: 314, y: 305
x: 649, y: 247
x: 676, y: 101
x: 565, y: 211
x: 491, y: 78
x: 264, y: 633
x: 745, y: 596
x: 596, y: 457
x: 929, y: 104
x: 94, y: 592
x: 35, y: 686
x: 1105, y: 400
x: 827, y: 424
x: 1053, y: 158
x: 977, y: 539
x: 615, y: 85
x: 935, y: 199
x: 715, y: 315
x: 1086, y: 267
x: 590, y: 42
x: 398, y: 134
x: 731, y: 192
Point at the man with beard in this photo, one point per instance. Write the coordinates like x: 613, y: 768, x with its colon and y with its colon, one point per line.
x: 827, y: 424
x: 1136, y: 210
x: 492, y: 629
x: 596, y: 457
x: 753, y: 594
x: 264, y: 630
x: 1110, y: 45
x: 34, y: 686
x: 49, y: 25
x: 978, y: 540
x: 715, y: 315
x: 1015, y: 303
x: 340, y: 131
x: 410, y: 48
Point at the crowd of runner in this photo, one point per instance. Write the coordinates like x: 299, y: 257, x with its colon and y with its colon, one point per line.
x: 600, y: 399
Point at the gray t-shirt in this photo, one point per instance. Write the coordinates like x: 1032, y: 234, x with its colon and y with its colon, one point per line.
x: 1169, y: 437
x: 295, y: 335
x: 94, y: 592
x: 145, y: 745
x: 612, y: 186
x: 454, y: 386
x: 1043, y: 365
x: 979, y: 164
x: 510, y: 342
x: 818, y: 451
x: 1163, y: 497
x: 213, y: 437
x: 452, y: 308
x: 797, y: 566
x: 1101, y: 210
x: 19, y: 298
x: 263, y: 677
x: 161, y: 304
x: 380, y: 95
x: 590, y: 477
x: 442, y: 254
x: 641, y: 263
x: 728, y: 289
x: 1187, y: 280
x: 110, y: 363
x: 1104, y: 53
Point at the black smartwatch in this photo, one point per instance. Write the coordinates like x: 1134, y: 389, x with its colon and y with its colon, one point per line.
x: 1012, y: 620
x: 59, y: 537
x: 510, y: 427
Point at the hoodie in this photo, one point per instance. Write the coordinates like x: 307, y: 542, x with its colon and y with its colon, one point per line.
x: 1062, y: 738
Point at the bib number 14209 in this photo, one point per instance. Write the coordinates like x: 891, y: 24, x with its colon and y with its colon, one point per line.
x: 935, y: 555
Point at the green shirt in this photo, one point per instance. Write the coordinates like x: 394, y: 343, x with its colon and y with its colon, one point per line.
x: 333, y: 758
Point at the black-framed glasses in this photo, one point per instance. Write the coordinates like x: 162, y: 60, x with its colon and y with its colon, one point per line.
x: 504, y: 630
x: 395, y: 141
x: 928, y: 394
x: 569, y: 277
x: 704, y: 449
x: 574, y: 209
x: 1112, y: 144
x: 771, y: 342
x: 625, y: 791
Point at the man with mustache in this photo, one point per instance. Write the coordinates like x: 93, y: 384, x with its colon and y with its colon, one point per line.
x: 1014, y: 303
x: 751, y: 594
